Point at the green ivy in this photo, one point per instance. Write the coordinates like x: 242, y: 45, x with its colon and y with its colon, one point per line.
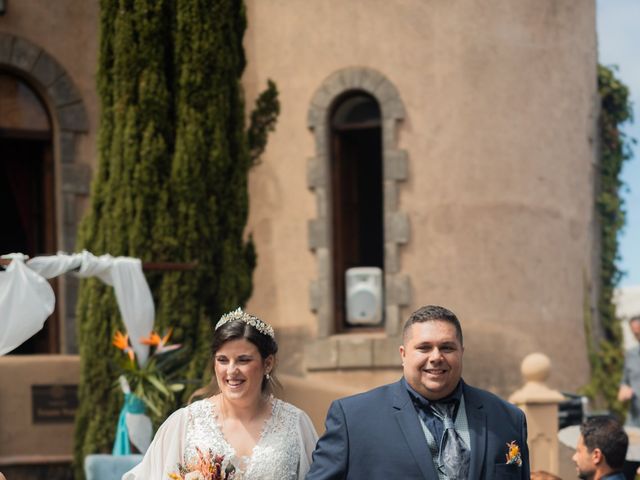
x: 604, y: 342
x: 263, y: 121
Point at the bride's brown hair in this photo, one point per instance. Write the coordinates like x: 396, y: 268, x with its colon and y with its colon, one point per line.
x: 236, y: 330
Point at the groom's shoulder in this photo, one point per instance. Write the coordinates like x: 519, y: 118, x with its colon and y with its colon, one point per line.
x: 382, y: 393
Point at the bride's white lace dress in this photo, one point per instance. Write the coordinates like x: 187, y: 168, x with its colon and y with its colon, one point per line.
x: 283, y: 451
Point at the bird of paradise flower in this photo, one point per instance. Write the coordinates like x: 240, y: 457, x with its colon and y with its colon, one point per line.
x: 121, y: 341
x: 151, y: 382
x: 160, y: 343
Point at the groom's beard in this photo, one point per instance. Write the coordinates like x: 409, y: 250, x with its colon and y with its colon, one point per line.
x: 586, y: 475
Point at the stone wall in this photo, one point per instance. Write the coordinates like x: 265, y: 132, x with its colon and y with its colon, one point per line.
x: 497, y: 131
x: 495, y: 109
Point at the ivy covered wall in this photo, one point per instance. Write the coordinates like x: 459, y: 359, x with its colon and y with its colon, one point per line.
x: 605, y: 336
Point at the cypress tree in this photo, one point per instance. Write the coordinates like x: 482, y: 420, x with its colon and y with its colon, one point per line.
x: 134, y: 158
x: 171, y: 184
x: 206, y: 204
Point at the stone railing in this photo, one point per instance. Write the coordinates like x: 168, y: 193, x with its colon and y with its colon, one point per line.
x: 540, y: 405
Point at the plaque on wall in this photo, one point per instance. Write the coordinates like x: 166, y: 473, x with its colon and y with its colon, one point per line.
x: 54, y: 403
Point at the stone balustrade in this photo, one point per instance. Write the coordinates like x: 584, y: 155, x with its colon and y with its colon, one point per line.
x: 540, y: 405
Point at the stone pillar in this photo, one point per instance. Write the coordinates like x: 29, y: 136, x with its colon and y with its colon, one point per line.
x: 540, y: 405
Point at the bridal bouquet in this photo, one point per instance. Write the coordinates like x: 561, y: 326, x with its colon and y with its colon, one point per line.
x: 206, y: 466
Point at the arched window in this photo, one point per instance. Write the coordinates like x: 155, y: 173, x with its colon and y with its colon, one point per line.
x: 27, y: 186
x: 356, y: 191
x: 356, y: 174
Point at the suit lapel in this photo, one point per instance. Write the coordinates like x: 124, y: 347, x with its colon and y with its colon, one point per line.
x: 477, y: 420
x: 409, y: 423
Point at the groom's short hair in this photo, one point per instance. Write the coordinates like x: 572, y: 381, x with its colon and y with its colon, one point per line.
x: 431, y: 313
x: 607, y: 434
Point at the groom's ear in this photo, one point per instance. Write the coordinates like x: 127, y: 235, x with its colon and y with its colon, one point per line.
x: 402, y: 352
x: 597, y: 456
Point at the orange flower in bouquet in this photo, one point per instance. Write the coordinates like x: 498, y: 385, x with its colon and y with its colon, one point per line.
x: 207, y: 466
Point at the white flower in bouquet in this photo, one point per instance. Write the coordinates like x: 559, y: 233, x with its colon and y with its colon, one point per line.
x: 194, y: 476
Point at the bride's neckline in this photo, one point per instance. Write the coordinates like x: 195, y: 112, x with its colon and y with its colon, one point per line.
x: 266, y: 426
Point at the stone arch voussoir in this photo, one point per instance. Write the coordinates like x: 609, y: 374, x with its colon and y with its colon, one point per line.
x: 69, y: 117
x: 397, y: 224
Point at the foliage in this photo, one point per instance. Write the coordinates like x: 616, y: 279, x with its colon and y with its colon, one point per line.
x: 134, y: 155
x: 157, y: 380
x: 263, y: 121
x: 171, y: 185
x: 205, y: 204
x: 605, y: 344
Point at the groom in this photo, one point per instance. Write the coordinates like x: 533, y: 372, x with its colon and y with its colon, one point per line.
x: 428, y: 425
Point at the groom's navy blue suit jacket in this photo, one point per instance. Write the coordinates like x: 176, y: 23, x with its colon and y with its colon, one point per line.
x: 377, y: 435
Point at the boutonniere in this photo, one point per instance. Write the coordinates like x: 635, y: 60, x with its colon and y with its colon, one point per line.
x: 513, y: 454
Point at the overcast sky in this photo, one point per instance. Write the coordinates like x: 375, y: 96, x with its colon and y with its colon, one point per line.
x: 618, y: 23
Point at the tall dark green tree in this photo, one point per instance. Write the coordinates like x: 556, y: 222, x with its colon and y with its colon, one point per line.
x: 134, y: 158
x: 206, y: 203
x: 171, y: 184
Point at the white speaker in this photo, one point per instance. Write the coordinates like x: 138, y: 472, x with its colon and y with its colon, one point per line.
x: 364, y: 295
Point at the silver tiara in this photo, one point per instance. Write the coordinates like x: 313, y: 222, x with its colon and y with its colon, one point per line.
x: 255, y: 322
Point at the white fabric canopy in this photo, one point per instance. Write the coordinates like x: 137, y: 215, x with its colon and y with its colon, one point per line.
x: 26, y: 300
x: 23, y: 297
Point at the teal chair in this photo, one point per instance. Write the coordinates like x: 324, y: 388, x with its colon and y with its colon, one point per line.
x: 109, y: 467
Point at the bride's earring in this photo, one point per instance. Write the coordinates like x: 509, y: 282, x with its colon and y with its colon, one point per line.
x: 268, y: 376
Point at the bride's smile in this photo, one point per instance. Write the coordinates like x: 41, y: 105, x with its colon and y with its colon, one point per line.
x: 240, y: 370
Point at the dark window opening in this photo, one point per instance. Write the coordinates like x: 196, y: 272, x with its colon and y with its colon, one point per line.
x: 27, y: 189
x: 356, y: 190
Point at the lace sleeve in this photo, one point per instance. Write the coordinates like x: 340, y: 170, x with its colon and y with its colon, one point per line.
x: 307, y: 437
x: 165, y: 451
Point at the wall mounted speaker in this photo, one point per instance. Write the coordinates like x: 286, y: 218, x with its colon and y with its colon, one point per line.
x: 364, y: 295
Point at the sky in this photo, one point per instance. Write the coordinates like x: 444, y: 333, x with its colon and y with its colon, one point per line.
x: 618, y: 24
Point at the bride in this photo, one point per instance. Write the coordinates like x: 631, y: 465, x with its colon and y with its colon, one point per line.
x: 259, y: 436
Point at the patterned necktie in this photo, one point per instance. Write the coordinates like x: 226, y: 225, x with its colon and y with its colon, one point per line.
x: 454, y: 456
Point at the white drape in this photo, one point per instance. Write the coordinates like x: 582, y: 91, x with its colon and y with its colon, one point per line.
x: 26, y: 299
